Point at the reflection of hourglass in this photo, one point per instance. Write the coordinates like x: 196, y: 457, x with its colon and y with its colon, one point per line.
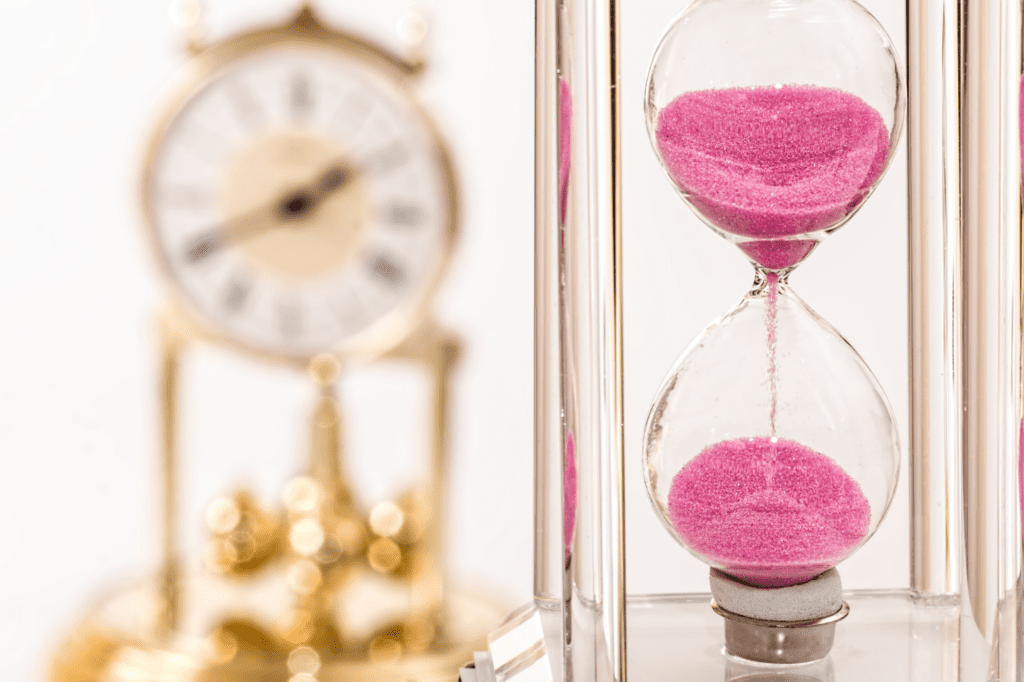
x: 770, y: 452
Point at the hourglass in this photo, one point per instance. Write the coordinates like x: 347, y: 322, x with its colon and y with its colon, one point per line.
x: 771, y: 453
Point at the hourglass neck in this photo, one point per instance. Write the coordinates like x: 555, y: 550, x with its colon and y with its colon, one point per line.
x: 763, y: 277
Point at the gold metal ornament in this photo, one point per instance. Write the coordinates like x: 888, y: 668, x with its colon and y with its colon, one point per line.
x: 303, y: 208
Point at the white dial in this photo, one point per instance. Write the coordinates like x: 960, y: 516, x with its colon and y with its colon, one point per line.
x: 301, y: 201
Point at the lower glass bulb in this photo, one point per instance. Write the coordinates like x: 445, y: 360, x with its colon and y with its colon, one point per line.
x: 770, y: 451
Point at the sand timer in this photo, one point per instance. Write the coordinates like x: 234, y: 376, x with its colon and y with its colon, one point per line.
x: 771, y: 453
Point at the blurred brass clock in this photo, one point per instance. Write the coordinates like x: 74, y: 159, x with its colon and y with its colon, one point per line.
x: 298, y: 196
x: 303, y: 208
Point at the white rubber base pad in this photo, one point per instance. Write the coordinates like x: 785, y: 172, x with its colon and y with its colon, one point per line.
x: 817, y: 598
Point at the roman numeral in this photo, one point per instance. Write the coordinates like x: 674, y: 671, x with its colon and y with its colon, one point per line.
x: 301, y: 95
x: 202, y: 247
x: 236, y: 294
x: 401, y: 214
x: 386, y: 269
x: 388, y: 158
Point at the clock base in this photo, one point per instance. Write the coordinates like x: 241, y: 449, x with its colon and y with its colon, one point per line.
x: 115, y: 643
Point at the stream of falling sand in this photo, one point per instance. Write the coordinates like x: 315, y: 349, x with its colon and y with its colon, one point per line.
x: 771, y: 320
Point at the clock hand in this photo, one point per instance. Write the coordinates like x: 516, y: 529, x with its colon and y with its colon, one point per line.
x: 294, y: 206
x: 300, y: 203
x: 215, y: 238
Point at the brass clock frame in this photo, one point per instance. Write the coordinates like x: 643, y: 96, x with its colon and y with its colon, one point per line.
x: 99, y: 651
x: 304, y: 30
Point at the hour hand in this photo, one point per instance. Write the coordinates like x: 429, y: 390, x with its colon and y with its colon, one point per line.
x: 334, y: 178
x: 299, y: 203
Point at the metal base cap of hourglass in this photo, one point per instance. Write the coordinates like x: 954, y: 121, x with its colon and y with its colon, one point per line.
x: 779, y: 642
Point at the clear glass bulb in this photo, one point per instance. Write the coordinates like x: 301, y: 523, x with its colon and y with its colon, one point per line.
x: 771, y: 452
x: 775, y: 119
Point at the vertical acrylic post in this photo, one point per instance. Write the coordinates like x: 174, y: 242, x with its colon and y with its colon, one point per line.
x: 592, y: 235
x: 579, y: 293
x: 933, y: 144
x: 990, y: 68
x: 965, y: 329
x: 548, y: 559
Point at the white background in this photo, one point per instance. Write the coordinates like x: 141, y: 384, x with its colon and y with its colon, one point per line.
x: 81, y: 84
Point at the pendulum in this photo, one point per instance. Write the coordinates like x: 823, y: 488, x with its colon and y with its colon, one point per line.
x: 771, y: 453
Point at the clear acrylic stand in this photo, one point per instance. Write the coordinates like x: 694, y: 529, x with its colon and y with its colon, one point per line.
x: 959, y: 621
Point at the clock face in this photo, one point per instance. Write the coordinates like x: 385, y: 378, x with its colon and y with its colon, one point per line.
x: 301, y: 202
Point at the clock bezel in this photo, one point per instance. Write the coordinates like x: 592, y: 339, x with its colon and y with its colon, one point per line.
x: 395, y: 325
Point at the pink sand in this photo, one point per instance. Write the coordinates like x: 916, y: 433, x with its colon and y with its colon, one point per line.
x: 771, y: 315
x: 569, y: 499
x: 777, y: 254
x: 771, y: 514
x: 773, y: 162
x: 564, y: 163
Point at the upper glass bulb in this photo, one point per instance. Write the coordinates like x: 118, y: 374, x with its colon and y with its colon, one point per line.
x: 775, y: 119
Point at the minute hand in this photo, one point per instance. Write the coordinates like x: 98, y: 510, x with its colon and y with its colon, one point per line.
x: 286, y: 211
x: 300, y: 203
